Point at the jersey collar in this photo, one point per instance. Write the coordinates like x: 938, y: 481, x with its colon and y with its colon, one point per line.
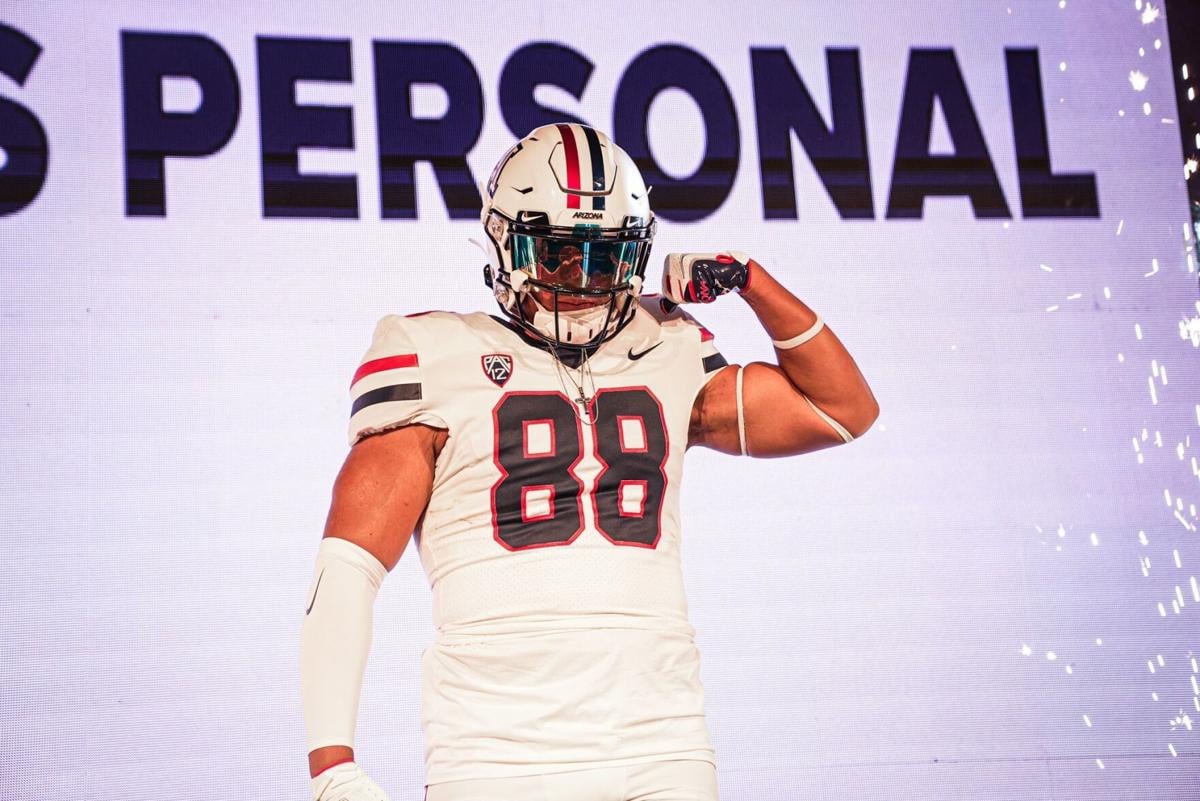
x: 641, y: 333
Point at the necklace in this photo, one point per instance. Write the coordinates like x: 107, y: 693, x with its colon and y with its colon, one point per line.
x: 583, y: 401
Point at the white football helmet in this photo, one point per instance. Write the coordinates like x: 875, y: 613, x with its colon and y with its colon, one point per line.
x: 567, y: 215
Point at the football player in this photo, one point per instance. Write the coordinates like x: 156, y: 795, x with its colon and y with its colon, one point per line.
x: 536, y: 456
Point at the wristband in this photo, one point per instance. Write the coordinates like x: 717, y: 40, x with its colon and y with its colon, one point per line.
x: 801, y: 338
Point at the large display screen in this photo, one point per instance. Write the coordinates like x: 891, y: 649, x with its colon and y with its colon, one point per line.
x: 205, y: 207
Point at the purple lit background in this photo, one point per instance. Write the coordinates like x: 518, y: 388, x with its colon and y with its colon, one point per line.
x: 991, y: 595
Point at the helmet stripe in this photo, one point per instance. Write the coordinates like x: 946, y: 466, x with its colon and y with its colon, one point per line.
x: 597, y: 159
x: 571, y: 152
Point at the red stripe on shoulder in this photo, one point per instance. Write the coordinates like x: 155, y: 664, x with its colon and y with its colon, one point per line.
x: 386, y: 363
x: 706, y: 335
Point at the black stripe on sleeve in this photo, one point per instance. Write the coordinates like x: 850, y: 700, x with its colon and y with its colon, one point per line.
x: 597, y: 159
x: 396, y: 392
x: 714, y: 362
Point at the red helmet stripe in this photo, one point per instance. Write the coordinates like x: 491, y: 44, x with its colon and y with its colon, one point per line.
x: 571, y: 152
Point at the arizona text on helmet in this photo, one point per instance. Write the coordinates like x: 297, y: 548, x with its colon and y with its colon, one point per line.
x: 569, y: 221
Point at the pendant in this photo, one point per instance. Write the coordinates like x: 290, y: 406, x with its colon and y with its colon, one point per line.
x: 585, y: 408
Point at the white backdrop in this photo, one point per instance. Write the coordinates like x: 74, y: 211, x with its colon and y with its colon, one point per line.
x: 991, y: 595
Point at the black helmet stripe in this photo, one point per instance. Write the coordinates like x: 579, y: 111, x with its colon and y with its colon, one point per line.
x: 597, y: 159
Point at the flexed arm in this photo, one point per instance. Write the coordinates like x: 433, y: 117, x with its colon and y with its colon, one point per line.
x: 815, y: 397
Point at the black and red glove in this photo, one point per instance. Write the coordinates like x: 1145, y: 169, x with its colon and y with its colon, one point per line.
x: 704, y: 277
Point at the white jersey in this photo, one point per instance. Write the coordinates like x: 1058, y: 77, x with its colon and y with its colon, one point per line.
x: 551, y: 540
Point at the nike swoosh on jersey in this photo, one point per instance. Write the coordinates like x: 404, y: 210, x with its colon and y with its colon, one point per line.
x: 316, y: 589
x: 635, y: 356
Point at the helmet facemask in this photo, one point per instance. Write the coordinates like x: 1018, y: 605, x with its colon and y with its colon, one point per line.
x: 570, y: 224
x: 574, y: 286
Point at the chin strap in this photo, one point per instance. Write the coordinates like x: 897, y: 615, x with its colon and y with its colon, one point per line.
x: 570, y: 326
x: 577, y: 325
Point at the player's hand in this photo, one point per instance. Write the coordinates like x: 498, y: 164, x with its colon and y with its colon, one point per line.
x: 345, y: 782
x: 704, y: 277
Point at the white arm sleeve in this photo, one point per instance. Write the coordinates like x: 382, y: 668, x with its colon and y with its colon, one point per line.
x: 335, y: 640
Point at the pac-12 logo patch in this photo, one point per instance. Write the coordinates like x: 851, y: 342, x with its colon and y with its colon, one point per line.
x: 498, y: 367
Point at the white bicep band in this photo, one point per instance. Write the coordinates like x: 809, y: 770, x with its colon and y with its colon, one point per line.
x: 335, y: 640
x: 741, y: 413
x: 834, y: 424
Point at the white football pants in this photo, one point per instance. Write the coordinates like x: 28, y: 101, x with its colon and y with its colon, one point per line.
x: 673, y: 780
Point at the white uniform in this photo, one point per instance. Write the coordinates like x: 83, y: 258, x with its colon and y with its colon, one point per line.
x: 551, y: 542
